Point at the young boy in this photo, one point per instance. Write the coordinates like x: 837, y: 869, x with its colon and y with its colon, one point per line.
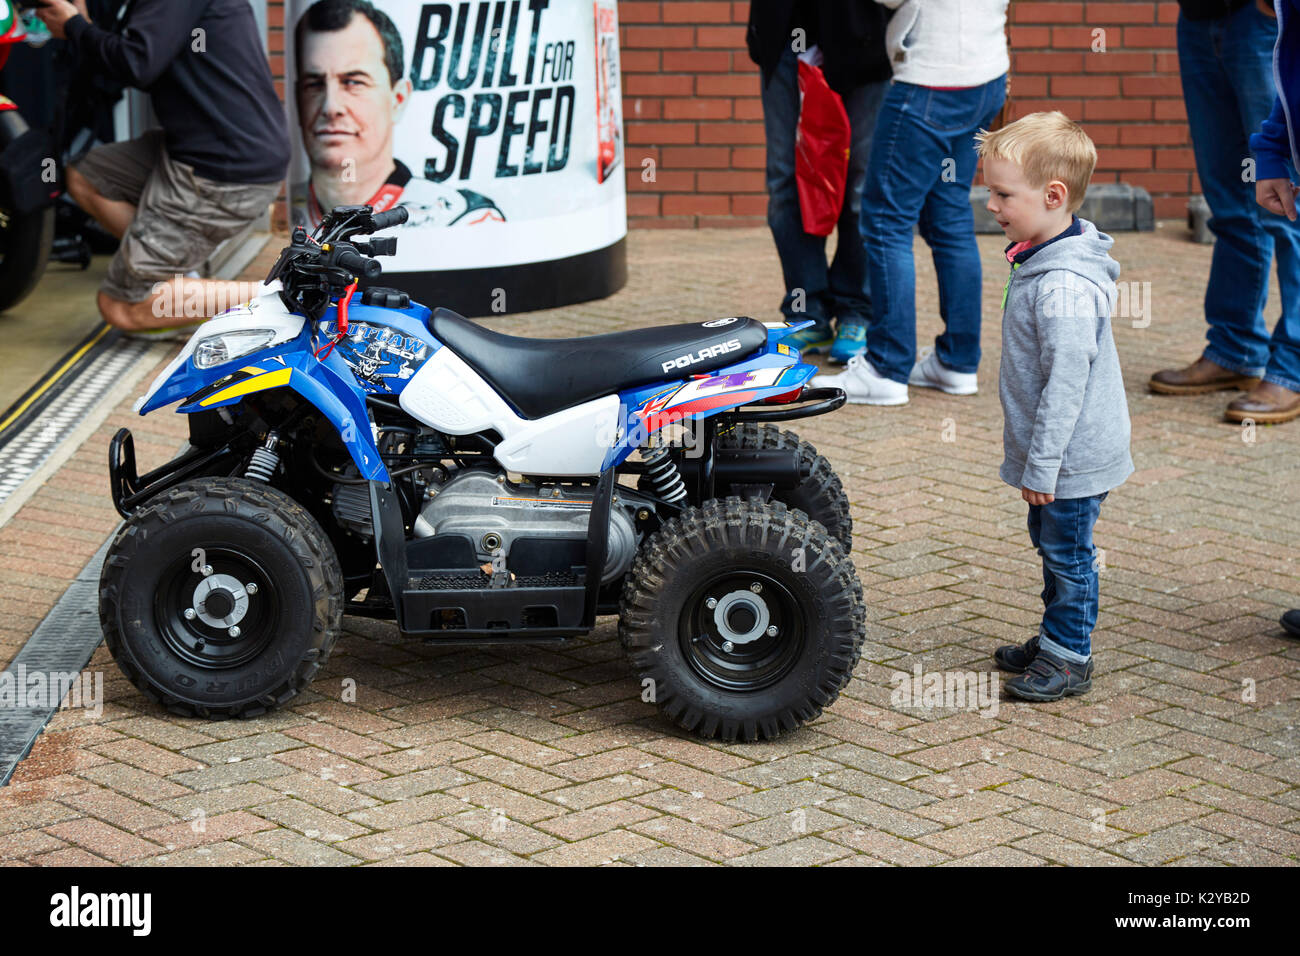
x: 1066, y: 434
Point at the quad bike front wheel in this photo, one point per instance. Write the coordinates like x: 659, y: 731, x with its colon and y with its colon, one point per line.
x: 743, y: 619
x: 222, y: 598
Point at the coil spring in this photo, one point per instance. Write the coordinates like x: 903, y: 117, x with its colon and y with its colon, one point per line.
x: 663, y: 474
x: 263, y: 462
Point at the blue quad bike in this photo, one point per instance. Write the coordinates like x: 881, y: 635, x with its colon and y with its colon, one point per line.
x: 356, y: 453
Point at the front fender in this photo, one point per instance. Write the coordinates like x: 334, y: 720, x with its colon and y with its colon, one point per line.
x: 328, y: 384
x: 287, y: 361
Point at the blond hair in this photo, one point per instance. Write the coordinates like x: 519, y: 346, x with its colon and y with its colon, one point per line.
x: 1046, y: 146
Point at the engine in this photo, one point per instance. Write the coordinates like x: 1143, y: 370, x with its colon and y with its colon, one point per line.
x: 493, y: 512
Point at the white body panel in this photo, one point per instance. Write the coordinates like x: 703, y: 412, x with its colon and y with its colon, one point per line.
x: 267, y: 311
x: 450, y: 396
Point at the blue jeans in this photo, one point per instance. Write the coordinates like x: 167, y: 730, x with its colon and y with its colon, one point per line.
x: 920, y: 171
x: 1227, y: 71
x: 840, y: 291
x: 1062, y: 533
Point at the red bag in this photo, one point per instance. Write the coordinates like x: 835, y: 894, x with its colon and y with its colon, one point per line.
x: 821, y: 149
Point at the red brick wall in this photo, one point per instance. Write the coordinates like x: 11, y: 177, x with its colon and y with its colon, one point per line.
x: 690, y: 99
x: 1128, y: 97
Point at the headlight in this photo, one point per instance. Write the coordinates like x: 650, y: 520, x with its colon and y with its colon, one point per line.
x: 215, y: 349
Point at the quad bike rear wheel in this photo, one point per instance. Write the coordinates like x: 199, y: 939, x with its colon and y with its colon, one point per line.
x: 743, y: 619
x: 820, y: 496
x: 222, y: 598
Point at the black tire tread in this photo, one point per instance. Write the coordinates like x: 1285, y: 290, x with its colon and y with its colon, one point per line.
x: 821, y: 495
x: 736, y: 522
x: 259, y: 503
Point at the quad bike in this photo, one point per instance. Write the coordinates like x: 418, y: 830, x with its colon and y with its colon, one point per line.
x: 356, y: 453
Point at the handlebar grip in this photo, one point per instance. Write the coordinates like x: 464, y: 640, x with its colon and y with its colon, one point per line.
x: 359, y: 265
x: 394, y: 217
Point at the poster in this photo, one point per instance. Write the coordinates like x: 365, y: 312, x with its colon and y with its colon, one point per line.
x: 497, y: 123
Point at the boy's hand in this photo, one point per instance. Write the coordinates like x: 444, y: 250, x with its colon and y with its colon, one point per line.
x: 1037, y: 497
x: 1277, y: 196
x: 1266, y: 8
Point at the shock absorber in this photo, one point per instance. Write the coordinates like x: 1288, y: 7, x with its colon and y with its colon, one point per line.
x: 264, y: 460
x: 663, y: 472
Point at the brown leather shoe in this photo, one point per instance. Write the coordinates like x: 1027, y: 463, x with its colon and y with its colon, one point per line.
x: 1198, y: 378
x: 1267, y: 404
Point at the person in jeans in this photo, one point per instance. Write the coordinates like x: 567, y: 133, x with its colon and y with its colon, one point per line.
x: 174, y: 194
x: 950, y: 63
x: 1225, y: 56
x: 1066, y: 431
x: 850, y: 37
x: 1274, y: 145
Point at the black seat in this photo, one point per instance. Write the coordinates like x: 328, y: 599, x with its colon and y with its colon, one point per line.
x: 543, y: 376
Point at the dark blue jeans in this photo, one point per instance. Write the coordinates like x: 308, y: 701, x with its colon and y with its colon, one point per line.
x: 1227, y: 71
x: 920, y: 171
x: 839, y: 291
x: 1062, y: 533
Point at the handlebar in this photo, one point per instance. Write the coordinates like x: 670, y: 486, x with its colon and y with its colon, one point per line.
x: 394, y: 217
x: 359, y: 265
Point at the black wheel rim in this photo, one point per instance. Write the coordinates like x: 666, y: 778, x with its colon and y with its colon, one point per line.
x: 749, y: 605
x: 200, y: 642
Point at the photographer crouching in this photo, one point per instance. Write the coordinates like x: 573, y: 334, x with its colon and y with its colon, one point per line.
x: 174, y: 194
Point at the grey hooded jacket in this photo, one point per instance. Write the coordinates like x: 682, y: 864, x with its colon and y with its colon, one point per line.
x: 1067, y: 427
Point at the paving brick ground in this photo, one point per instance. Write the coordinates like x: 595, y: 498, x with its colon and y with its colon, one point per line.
x: 1186, y: 751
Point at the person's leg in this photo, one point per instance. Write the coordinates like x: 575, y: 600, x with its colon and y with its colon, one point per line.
x: 1236, y: 336
x: 803, y: 257
x: 114, y: 215
x: 906, y: 160
x: 1062, y: 664
x: 850, y: 293
x: 107, y: 182
x: 948, y: 227
x: 1249, y: 58
x: 1068, y: 553
x: 181, y: 219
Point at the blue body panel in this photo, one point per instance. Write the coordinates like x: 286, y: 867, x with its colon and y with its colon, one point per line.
x: 383, y: 349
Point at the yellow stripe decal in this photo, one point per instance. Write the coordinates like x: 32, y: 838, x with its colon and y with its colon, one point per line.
x: 58, y: 373
x: 252, y: 370
x: 255, y: 384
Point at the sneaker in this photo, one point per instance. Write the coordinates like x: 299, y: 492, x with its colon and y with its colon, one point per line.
x: 1291, y: 622
x: 929, y: 372
x: 1049, y: 678
x: 863, y: 385
x: 1016, y: 658
x: 810, y: 341
x: 850, y: 340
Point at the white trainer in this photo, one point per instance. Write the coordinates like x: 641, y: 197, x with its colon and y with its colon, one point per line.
x: 863, y: 385
x: 929, y: 372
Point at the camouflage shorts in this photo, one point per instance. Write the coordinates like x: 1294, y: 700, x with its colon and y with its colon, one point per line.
x: 180, y: 216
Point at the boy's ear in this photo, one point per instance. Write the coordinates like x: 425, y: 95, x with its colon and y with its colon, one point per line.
x: 1057, y: 194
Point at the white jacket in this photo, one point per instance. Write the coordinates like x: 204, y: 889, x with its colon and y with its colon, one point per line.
x: 947, y: 42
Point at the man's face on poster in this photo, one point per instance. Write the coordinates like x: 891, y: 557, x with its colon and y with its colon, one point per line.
x: 347, y: 107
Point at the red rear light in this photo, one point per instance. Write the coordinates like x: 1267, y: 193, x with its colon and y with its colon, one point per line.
x: 785, y: 397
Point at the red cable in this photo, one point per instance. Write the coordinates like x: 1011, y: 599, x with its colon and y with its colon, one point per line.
x: 342, y: 322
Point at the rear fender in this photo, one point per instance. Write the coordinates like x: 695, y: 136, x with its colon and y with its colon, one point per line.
x: 774, y: 372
